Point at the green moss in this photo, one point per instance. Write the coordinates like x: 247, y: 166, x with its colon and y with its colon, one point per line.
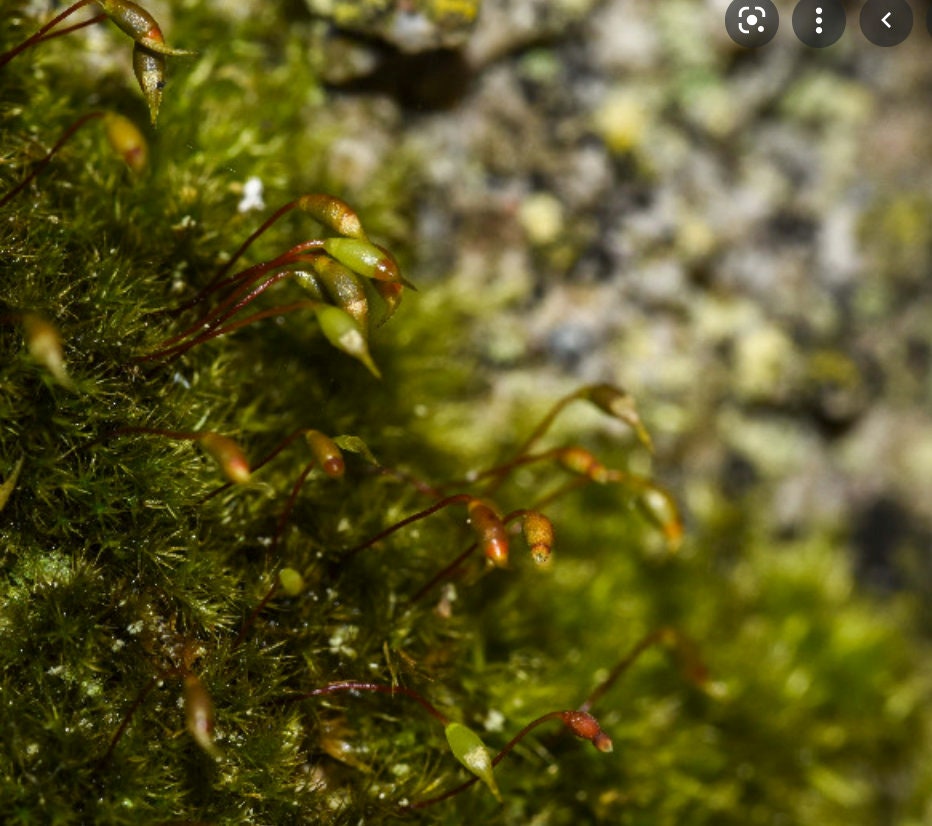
x: 116, y: 573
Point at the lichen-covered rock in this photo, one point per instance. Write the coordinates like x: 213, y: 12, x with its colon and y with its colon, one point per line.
x: 410, y: 25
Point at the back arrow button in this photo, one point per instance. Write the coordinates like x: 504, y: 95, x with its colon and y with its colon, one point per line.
x: 886, y: 22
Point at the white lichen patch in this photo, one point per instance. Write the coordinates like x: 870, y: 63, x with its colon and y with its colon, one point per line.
x: 252, y: 199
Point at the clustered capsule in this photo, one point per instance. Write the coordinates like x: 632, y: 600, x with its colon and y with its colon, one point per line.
x: 338, y: 285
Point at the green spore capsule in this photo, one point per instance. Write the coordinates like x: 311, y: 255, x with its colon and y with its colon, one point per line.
x: 469, y: 749
x: 291, y: 581
x: 344, y: 334
x: 149, y: 69
x: 345, y: 288
x: 364, y: 258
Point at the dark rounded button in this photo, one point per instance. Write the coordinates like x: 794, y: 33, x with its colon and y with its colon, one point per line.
x: 886, y: 22
x: 819, y: 23
x: 751, y: 23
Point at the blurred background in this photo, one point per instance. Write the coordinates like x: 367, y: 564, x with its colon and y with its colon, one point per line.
x: 739, y: 237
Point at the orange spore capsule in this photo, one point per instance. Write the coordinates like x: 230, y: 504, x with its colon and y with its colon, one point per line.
x: 538, y: 532
x: 581, y: 461
x: 491, y: 530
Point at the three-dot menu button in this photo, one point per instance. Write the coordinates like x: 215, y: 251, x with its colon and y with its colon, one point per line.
x: 819, y: 23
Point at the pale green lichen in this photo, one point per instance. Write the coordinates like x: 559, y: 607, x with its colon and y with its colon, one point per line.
x: 411, y: 26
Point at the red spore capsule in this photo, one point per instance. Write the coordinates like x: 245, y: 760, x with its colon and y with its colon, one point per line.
x: 584, y: 725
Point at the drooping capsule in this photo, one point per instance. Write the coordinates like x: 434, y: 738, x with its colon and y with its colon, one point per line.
x: 620, y: 405
x: 343, y: 333
x: 149, y: 69
x: 228, y: 454
x: 491, y: 531
x: 469, y: 749
x: 326, y: 452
